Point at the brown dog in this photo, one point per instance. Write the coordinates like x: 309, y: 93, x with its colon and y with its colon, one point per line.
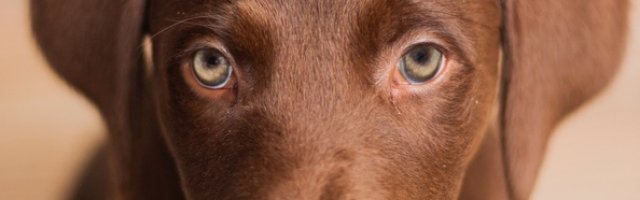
x: 325, y: 99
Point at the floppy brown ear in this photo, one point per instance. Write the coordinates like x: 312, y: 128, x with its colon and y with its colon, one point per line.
x: 95, y: 46
x: 92, y: 44
x: 559, y: 53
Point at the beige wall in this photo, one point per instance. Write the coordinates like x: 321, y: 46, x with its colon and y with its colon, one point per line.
x: 595, y: 154
x: 46, y: 130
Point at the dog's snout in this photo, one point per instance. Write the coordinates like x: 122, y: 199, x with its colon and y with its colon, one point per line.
x: 331, y: 178
x: 316, y: 150
x: 324, y: 157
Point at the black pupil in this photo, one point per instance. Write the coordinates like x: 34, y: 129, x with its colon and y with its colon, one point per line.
x: 420, y: 56
x: 213, y: 61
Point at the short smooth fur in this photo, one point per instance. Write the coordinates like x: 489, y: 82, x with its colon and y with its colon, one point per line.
x: 314, y: 115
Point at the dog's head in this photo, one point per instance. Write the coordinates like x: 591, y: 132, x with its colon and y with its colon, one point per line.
x: 332, y: 99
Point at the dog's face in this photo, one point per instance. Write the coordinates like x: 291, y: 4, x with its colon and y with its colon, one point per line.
x: 325, y: 99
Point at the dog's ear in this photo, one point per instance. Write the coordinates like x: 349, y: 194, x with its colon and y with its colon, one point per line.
x: 558, y: 54
x: 95, y: 45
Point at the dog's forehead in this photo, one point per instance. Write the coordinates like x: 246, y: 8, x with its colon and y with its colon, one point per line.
x: 287, y: 17
x: 294, y: 38
x: 333, y: 24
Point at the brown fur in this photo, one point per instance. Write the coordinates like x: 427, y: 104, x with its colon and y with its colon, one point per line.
x: 315, y: 114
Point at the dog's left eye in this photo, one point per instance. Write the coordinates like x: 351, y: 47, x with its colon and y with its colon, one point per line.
x: 421, y: 63
x: 211, y: 68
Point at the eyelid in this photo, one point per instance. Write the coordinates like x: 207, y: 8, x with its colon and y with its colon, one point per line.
x: 186, y: 55
x: 388, y: 71
x: 446, y: 42
x: 419, y: 39
x: 206, y: 43
x: 411, y: 46
x: 190, y: 52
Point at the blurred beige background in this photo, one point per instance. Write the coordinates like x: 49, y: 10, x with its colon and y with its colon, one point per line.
x: 47, y: 130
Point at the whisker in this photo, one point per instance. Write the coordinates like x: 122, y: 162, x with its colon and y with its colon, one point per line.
x: 179, y: 23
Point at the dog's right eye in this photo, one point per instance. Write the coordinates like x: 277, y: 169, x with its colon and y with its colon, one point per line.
x: 420, y: 64
x: 211, y: 68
